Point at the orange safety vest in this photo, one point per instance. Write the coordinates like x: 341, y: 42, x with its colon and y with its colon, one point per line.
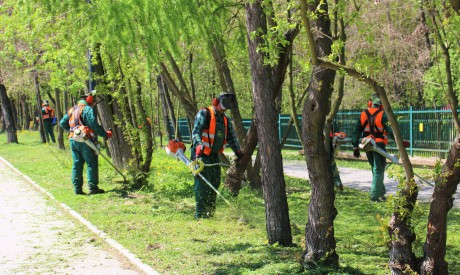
x: 49, y: 113
x: 74, y: 114
x: 371, y: 120
x: 207, y: 137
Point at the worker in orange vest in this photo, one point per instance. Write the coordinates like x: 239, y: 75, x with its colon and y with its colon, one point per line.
x: 373, y: 123
x: 212, y: 131
x: 82, y: 115
x: 48, y: 117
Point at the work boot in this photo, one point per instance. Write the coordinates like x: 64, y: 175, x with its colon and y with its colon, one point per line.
x: 96, y: 191
x: 79, y: 191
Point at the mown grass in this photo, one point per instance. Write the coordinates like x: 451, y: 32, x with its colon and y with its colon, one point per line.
x: 157, y: 222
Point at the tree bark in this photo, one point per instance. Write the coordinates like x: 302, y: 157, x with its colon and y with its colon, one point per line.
x: 7, y: 116
x: 273, y: 184
x: 186, y: 101
x: 235, y: 176
x: 59, y: 115
x: 446, y: 186
x: 146, y: 130
x: 292, y: 104
x: 164, y: 106
x: 41, y: 127
x: 320, y: 241
x: 447, y: 182
x: 25, y: 112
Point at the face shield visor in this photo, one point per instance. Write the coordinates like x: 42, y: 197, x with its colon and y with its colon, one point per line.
x: 227, y: 101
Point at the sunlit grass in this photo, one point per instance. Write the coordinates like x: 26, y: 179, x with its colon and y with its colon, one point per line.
x: 157, y: 222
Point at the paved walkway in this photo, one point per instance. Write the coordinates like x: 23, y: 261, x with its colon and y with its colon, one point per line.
x: 37, y: 237
x: 361, y: 179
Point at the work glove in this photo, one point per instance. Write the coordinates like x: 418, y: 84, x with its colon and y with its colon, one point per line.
x: 199, y: 151
x: 406, y: 143
x: 109, y: 133
x: 239, y: 154
x: 356, y: 153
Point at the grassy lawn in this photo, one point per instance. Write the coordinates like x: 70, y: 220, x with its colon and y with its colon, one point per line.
x: 157, y: 224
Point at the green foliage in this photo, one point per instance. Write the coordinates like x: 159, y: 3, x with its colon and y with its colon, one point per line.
x: 336, y: 48
x: 435, y: 80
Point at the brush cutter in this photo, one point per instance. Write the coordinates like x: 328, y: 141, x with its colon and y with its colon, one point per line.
x: 368, y: 144
x: 176, y: 148
x: 81, y: 134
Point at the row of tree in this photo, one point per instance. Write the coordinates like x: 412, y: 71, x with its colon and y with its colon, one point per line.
x: 154, y: 61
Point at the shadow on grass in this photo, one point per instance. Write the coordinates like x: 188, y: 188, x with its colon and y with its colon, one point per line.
x: 275, y: 261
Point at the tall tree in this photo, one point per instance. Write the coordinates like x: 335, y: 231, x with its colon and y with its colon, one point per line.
x: 320, y: 241
x: 447, y: 181
x: 273, y: 184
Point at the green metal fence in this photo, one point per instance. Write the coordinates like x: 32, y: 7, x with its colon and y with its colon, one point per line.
x: 429, y: 130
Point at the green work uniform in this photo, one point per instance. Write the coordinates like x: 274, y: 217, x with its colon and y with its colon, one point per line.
x: 377, y: 163
x: 82, y: 153
x: 205, y: 197
x: 48, y: 125
x: 376, y: 160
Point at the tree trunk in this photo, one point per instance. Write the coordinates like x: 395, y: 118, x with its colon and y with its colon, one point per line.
x: 442, y: 202
x: 146, y: 130
x: 320, y: 241
x: 235, y: 176
x: 273, y: 184
x: 292, y: 104
x: 59, y: 115
x: 25, y: 112
x: 16, y: 116
x: 172, y: 114
x: 235, y: 173
x: 2, y: 120
x: 446, y: 183
x: 7, y: 116
x: 109, y: 111
x: 164, y: 106
x: 41, y: 127
x: 186, y: 101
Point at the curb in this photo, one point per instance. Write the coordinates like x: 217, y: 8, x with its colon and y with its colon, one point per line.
x: 111, y: 242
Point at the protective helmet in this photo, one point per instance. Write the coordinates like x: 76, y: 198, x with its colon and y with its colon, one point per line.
x: 89, y: 96
x: 227, y: 101
x: 45, y: 103
x: 376, y: 101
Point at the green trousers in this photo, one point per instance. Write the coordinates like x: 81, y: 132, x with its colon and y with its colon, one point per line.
x: 377, y: 163
x: 205, y: 197
x: 81, y: 154
x: 49, y: 133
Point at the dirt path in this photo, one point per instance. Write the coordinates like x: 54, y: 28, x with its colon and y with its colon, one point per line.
x: 36, y: 237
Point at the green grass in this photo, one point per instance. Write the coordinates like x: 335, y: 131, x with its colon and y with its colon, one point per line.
x: 157, y: 223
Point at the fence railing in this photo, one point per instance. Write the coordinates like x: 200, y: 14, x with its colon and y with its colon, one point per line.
x: 430, y: 131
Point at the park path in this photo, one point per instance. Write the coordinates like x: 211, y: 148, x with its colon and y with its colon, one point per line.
x: 362, y: 180
x: 37, y: 237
